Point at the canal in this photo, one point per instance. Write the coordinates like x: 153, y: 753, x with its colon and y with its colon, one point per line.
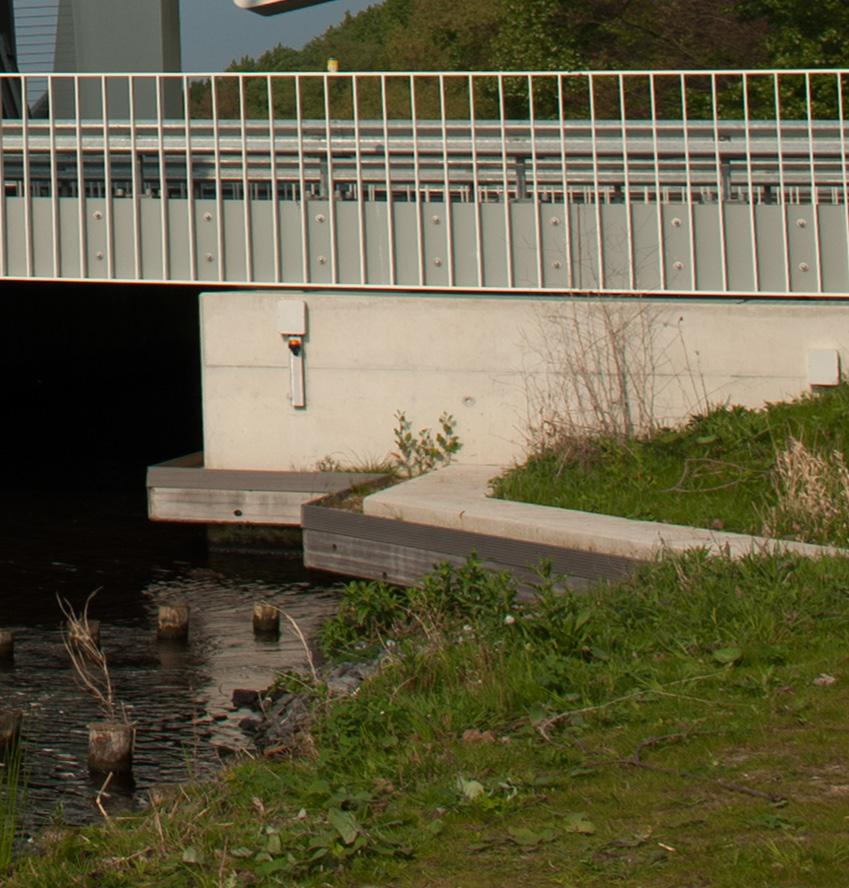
x: 95, y: 392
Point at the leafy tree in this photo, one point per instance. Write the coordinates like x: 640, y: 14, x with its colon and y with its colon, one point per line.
x: 803, y: 33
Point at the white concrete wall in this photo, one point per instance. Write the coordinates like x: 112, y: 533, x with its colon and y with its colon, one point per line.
x: 496, y: 364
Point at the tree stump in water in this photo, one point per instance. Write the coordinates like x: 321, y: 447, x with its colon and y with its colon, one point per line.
x: 266, y: 620
x: 110, y: 747
x: 173, y: 623
x: 7, y: 646
x: 10, y: 728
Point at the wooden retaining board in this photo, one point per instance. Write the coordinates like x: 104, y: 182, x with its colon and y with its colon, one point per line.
x: 402, y: 552
x: 184, y: 490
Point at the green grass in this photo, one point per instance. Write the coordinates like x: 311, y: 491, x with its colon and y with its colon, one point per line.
x: 11, y: 797
x: 673, y: 730
x: 714, y: 472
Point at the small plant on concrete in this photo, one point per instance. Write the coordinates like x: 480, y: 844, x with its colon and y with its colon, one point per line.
x: 420, y: 452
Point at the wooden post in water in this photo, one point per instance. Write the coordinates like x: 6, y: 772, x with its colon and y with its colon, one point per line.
x: 110, y: 747
x: 7, y: 646
x: 173, y: 623
x: 10, y: 728
x: 266, y: 619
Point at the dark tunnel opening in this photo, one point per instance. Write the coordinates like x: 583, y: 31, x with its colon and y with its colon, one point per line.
x: 100, y: 381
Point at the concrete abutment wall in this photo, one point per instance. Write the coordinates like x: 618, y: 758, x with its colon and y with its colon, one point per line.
x: 503, y: 367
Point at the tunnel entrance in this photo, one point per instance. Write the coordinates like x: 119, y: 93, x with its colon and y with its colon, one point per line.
x: 99, y: 381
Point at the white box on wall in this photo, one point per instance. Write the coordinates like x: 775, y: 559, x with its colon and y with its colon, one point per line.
x: 823, y: 366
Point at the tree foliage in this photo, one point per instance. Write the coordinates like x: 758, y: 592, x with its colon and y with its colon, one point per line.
x: 538, y: 35
x: 552, y: 35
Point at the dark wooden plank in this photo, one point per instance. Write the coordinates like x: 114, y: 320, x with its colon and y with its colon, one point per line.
x: 459, y: 543
x: 200, y: 478
x: 394, y: 563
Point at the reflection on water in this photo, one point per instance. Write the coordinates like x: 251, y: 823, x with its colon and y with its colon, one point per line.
x: 179, y: 698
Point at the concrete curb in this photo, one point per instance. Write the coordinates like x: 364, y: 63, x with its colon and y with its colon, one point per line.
x: 457, y: 497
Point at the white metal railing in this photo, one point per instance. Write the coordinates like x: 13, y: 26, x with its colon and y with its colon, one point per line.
x: 629, y: 182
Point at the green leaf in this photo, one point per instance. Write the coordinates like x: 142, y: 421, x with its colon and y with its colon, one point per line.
x: 527, y: 838
x: 345, y: 824
x: 471, y: 789
x: 241, y: 852
x: 727, y: 656
x: 192, y: 855
x: 577, y: 822
x: 274, y: 845
x: 272, y: 866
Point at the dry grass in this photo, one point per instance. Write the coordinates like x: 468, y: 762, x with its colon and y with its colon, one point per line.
x: 88, y: 660
x: 812, y: 495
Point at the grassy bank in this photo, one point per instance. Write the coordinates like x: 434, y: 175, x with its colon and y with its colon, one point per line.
x: 751, y: 471
x: 683, y: 728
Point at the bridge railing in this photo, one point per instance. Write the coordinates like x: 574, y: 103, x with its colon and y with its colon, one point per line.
x: 626, y: 182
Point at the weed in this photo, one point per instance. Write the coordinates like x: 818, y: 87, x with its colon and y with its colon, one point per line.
x: 812, y: 493
x: 89, y: 661
x: 420, y: 452
x: 11, y: 798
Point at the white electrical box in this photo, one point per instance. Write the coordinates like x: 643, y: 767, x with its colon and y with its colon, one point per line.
x: 823, y: 366
x: 292, y: 317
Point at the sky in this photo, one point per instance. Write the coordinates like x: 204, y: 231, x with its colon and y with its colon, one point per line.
x: 215, y: 32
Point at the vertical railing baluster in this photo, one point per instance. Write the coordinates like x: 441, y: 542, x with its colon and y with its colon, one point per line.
x: 720, y: 185
x: 137, y: 184
x: 362, y: 238
x: 190, y: 179
x: 476, y: 181
x: 3, y: 206
x: 661, y: 240
x: 219, y: 183
x: 626, y: 169
x: 508, y: 221
x: 305, y: 244
x: 163, y: 183
x: 815, y: 212
x: 420, y: 250
x: 54, y: 180
x: 567, y: 210
x: 107, y: 180
x: 81, y: 195
x: 536, y: 202
x: 390, y: 206
x: 688, y: 167
x: 331, y: 181
x: 844, y: 171
x: 246, y: 185
x: 753, y: 233
x: 272, y: 185
x: 449, y: 217
x: 28, y: 232
x: 596, y: 184
x: 782, y: 201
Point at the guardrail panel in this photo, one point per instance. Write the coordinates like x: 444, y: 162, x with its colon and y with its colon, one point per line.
x: 626, y: 182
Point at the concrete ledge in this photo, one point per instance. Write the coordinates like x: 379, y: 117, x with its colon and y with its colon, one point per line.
x: 183, y: 490
x: 456, y: 497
